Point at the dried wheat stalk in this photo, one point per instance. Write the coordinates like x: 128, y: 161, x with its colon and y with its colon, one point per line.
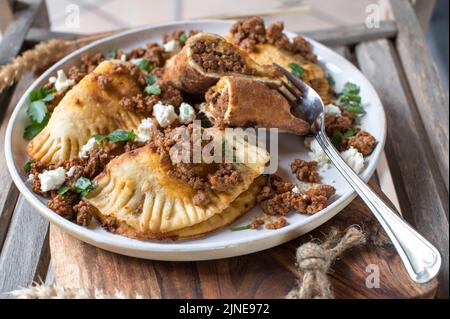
x: 42, y: 291
x: 41, y: 56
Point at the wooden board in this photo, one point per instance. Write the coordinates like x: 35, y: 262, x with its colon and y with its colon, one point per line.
x: 267, y: 274
x: 422, y: 195
x: 427, y: 87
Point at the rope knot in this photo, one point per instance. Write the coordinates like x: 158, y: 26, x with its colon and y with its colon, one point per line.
x: 313, y: 257
x: 314, y: 261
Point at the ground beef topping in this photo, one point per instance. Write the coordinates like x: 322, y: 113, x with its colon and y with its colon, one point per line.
x: 279, y: 223
x: 276, y: 37
x: 252, y: 31
x: 103, y: 82
x: 130, y: 69
x: 339, y: 123
x: 178, y: 35
x: 247, y: 33
x: 63, y: 205
x: 256, y: 223
x: 140, y: 103
x: 214, y: 59
x: 143, y: 103
x: 84, y: 213
x: 170, y: 95
x: 224, y: 177
x: 201, y: 177
x: 277, y: 198
x: 304, y: 48
x: 153, y: 52
x: 57, y: 97
x: 305, y: 171
x: 363, y: 141
x: 68, y: 205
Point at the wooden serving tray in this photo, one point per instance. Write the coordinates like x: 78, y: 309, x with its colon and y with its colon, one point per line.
x: 268, y: 274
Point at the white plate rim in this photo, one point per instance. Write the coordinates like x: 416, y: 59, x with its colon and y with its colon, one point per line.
x: 163, y: 251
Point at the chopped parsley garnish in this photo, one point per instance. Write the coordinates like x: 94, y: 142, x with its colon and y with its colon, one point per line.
x: 83, y: 186
x: 249, y: 226
x: 112, y: 53
x: 116, y: 136
x: 330, y: 80
x: 41, y: 94
x: 27, y: 166
x: 143, y: 64
x: 296, y: 69
x: 350, y: 99
x: 63, y: 189
x: 99, y: 137
x: 350, y: 88
x: 183, y: 37
x: 152, y: 87
x: 37, y: 111
x: 351, y: 132
x: 33, y: 129
x: 121, y: 136
x: 336, y: 138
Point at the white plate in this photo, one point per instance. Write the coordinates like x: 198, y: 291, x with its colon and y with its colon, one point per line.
x: 223, y: 243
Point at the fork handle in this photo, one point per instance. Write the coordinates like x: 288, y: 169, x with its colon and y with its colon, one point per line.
x: 421, y: 259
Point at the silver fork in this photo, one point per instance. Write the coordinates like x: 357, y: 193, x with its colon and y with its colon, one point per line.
x: 421, y: 259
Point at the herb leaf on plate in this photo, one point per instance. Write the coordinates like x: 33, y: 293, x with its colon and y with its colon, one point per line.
x: 83, y: 186
x: 350, y: 99
x: 296, y: 69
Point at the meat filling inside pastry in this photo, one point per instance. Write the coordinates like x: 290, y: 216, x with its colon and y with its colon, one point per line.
x: 206, y: 57
x: 242, y: 102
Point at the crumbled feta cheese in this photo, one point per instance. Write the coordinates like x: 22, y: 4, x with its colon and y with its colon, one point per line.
x: 52, y: 79
x: 316, y: 152
x: 296, y: 190
x: 164, y: 114
x: 172, y: 46
x: 30, y: 178
x: 123, y: 58
x: 354, y: 159
x: 145, y: 129
x: 331, y: 109
x: 187, y: 113
x: 53, y: 179
x: 71, y: 171
x: 62, y: 83
x: 90, y: 145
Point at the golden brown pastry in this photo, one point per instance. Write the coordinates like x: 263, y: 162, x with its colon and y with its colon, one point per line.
x: 206, y: 57
x: 90, y: 107
x: 241, y: 205
x: 266, y: 54
x: 242, y: 102
x: 136, y: 190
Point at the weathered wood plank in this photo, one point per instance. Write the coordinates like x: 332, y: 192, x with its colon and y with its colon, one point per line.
x: 384, y: 174
x: 5, y: 15
x: 421, y: 191
x: 36, y: 35
x: 348, y: 35
x: 426, y: 85
x: 25, y: 253
x: 42, y: 19
x: 18, y: 28
x: 424, y: 12
x: 8, y: 191
x: 267, y: 274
